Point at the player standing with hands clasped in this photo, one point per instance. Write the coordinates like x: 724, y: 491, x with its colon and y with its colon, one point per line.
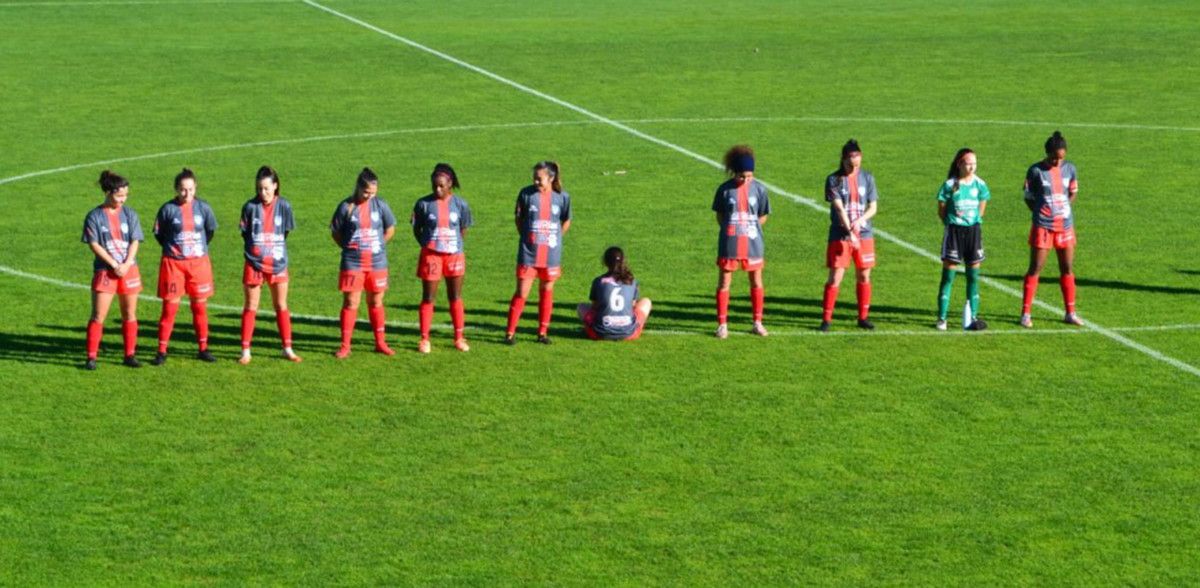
x: 362, y: 225
x: 1050, y: 187
x: 742, y: 209
x: 853, y: 201
x: 440, y: 221
x: 266, y: 221
x: 184, y: 227
x: 114, y: 233
x: 543, y: 216
x: 961, y: 202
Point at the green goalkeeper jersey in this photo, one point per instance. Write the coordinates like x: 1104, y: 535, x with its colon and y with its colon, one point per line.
x: 962, y: 204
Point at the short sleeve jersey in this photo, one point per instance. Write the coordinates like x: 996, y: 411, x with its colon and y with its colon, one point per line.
x: 438, y: 224
x: 541, y: 215
x: 613, y: 308
x: 738, y: 208
x: 962, y: 204
x: 264, y: 232
x: 856, y: 192
x: 183, y: 229
x: 114, y: 230
x: 1049, y: 190
x: 360, y: 228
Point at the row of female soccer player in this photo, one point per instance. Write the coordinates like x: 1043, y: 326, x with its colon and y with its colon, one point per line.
x: 363, y: 224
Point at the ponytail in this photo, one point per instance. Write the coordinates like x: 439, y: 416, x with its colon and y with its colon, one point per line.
x: 265, y: 172
x: 551, y: 167
x: 953, y: 174
x: 1055, y: 142
x: 111, y: 182
x: 366, y: 177
x: 614, y: 260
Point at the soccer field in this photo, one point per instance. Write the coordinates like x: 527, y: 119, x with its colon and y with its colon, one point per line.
x: 904, y: 455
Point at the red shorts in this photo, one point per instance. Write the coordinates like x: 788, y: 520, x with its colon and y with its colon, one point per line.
x: 106, y: 281
x: 253, y: 277
x: 839, y: 254
x: 1043, y: 238
x: 590, y: 317
x: 545, y: 274
x: 732, y: 265
x: 431, y: 266
x: 359, y: 280
x: 177, y: 277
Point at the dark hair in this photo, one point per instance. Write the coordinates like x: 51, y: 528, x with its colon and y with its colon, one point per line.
x: 365, y: 178
x: 265, y: 172
x: 614, y: 260
x: 953, y: 173
x: 184, y: 174
x: 1055, y: 142
x: 552, y: 168
x: 736, y: 157
x: 111, y: 182
x: 851, y: 146
x: 442, y: 168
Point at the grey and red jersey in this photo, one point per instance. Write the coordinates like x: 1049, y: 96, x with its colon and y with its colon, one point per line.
x: 613, y: 315
x: 1048, y: 192
x: 359, y: 228
x: 541, y: 217
x: 264, y: 231
x: 184, y: 230
x: 114, y: 230
x: 856, y: 192
x: 438, y: 224
x: 738, y: 208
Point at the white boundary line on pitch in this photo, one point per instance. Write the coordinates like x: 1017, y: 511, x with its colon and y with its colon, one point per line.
x: 887, y: 236
x: 665, y: 332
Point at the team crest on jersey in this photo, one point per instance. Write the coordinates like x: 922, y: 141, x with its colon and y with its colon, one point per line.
x: 554, y: 209
x: 124, y: 227
x: 176, y: 221
x: 432, y: 216
x: 374, y: 217
x: 753, y: 201
x: 103, y: 229
x: 1066, y: 182
x: 862, y: 191
x: 974, y: 191
x: 453, y: 216
x: 199, y: 220
x: 278, y: 220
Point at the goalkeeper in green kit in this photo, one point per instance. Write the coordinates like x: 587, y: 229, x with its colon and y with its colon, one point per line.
x: 961, y: 202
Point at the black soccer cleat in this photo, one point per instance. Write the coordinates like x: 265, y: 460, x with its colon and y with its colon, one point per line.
x: 90, y: 365
x: 206, y: 356
x: 545, y: 340
x: 824, y: 328
x: 510, y: 340
x: 977, y: 325
x: 866, y: 324
x: 131, y: 361
x: 159, y: 359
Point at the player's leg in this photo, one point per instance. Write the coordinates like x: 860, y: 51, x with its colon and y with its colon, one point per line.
x: 429, y: 288
x: 199, y: 306
x: 862, y: 291
x: 829, y: 297
x: 1066, y: 280
x: 171, y: 286
x: 945, y: 286
x: 283, y: 317
x: 129, y: 327
x: 1037, y: 260
x: 724, y: 281
x: 378, y: 317
x: 757, y: 299
x: 458, y: 314
x: 101, y: 302
x: 545, y: 308
x: 351, y: 298
x: 517, y: 305
x: 251, y: 294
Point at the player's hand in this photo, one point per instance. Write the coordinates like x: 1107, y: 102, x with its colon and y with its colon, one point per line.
x: 121, y: 269
x: 854, y: 238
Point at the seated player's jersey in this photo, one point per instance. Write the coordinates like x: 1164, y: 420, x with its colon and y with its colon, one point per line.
x: 360, y: 228
x: 962, y: 204
x: 264, y: 231
x: 541, y: 216
x: 183, y: 230
x: 114, y: 230
x: 1048, y: 190
x: 739, y: 208
x: 613, y: 308
x: 438, y: 223
x: 856, y: 192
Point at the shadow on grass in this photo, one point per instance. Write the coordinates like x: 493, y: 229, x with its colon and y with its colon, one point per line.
x: 46, y: 349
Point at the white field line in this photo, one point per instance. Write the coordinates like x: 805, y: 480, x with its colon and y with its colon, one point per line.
x: 666, y: 332
x: 713, y: 163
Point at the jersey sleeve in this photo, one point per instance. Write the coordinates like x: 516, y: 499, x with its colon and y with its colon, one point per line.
x: 338, y: 219
x: 465, y: 220
x: 716, y: 203
x: 945, y: 191
x: 412, y: 220
x: 595, y: 294
x: 210, y: 219
x: 872, y: 192
x: 985, y: 193
x: 764, y: 201
x: 564, y: 215
x: 246, y: 221
x: 831, y: 188
x: 387, y: 219
x: 1073, y: 187
x: 160, y: 219
x: 91, y: 233
x: 135, y: 226
x: 1031, y: 180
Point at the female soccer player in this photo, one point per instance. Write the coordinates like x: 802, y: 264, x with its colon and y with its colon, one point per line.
x: 362, y: 225
x: 615, y: 312
x: 114, y: 233
x: 1050, y: 187
x: 184, y: 227
x: 266, y: 221
x: 440, y: 221
x: 543, y: 216
x: 961, y: 202
x: 742, y: 209
x: 853, y: 200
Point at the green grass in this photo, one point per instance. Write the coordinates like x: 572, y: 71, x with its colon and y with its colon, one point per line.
x: 1010, y: 458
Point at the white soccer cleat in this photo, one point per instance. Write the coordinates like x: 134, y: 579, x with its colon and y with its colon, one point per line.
x: 245, y: 358
x: 1027, y: 321
x: 940, y: 325
x: 424, y: 346
x: 722, y: 331
x: 758, y: 329
x: 1073, y: 319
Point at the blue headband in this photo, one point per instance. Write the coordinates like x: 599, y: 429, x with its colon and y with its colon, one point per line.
x: 743, y: 163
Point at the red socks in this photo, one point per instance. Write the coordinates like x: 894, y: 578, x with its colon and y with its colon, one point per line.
x: 515, y: 307
x: 129, y: 332
x: 377, y: 316
x: 349, y: 316
x: 1030, y: 290
x: 426, y: 318
x: 95, y: 329
x: 283, y: 319
x: 756, y: 303
x: 863, y: 289
x: 247, y: 328
x: 722, y: 306
x: 545, y: 309
x: 166, y: 323
x: 457, y: 317
x: 1067, y: 281
x: 828, y: 302
x: 200, y: 322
